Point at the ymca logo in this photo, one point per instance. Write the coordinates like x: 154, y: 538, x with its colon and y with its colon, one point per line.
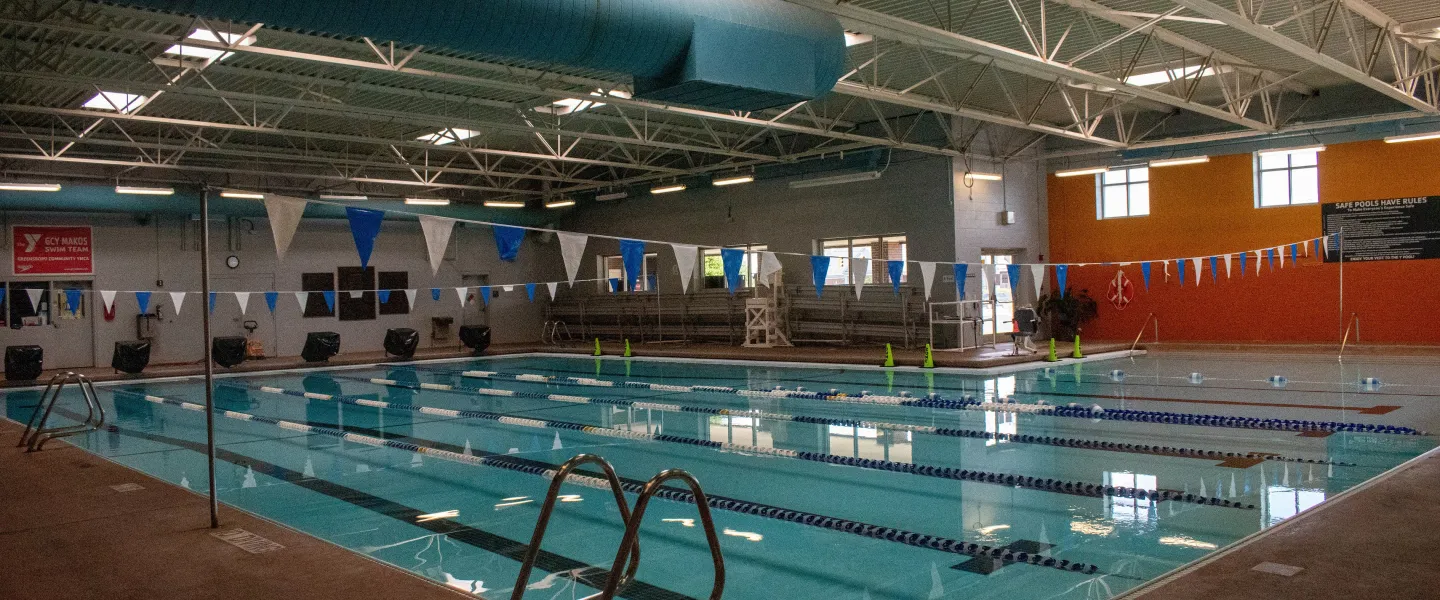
x: 31, y: 241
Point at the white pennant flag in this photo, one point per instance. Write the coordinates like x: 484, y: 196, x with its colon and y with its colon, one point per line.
x: 572, y: 249
x: 109, y: 299
x: 300, y: 298
x: 460, y: 291
x: 1281, y: 251
x: 507, y: 288
x: 437, y: 232
x: 1305, y: 247
x: 1227, y: 265
x: 34, y: 295
x: 553, y: 286
x: 685, y: 259
x: 1037, y: 277
x: 769, y: 266
x: 1325, y: 244
x: 860, y: 270
x: 927, y: 276
x: 179, y: 299
x: 1259, y: 259
x: 1196, y: 263
x: 410, y: 296
x: 243, y: 298
x: 356, y: 294
x: 1167, y: 270
x: 284, y: 214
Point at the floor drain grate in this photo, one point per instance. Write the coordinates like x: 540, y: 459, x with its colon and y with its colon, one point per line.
x: 247, y: 541
x: 127, y: 487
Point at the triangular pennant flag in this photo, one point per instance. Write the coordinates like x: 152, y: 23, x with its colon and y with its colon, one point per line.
x: 507, y: 288
x: 927, y: 277
x: 614, y: 284
x: 859, y: 270
x: 572, y: 249
x: 364, y: 226
x: 178, y: 299
x: 72, y: 300
x: 1014, y: 272
x: 1060, y: 273
x: 554, y: 287
x: 1180, y: 264
x: 960, y: 270
x: 485, y: 294
x: 435, y: 294
x: 410, y: 297
x: 507, y: 241
x: 382, y: 295
x: 731, y: 259
x: 105, y: 296
x: 819, y: 268
x: 302, y: 298
x: 530, y: 291
x: 769, y: 266
x: 1270, y: 258
x: 214, y: 295
x: 685, y: 259
x: 329, y: 296
x: 437, y: 232
x: 896, y: 270
x: 460, y: 292
x: 34, y: 294
x: 1214, y: 269
x: 1244, y: 258
x: 1281, y: 251
x: 284, y: 214
x: 243, y: 299
x: 1324, y: 242
x: 1259, y: 261
x: 270, y: 300
x: 1195, y: 262
x: 141, y: 298
x: 632, y: 258
x: 1294, y: 253
x: 1305, y: 247
x: 1037, y: 278
x: 1145, y: 274
x: 1228, y: 258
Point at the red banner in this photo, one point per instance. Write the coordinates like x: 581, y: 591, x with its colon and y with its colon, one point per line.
x: 52, y: 250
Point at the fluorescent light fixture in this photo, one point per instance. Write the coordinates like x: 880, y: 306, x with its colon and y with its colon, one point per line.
x: 117, y: 101
x: 559, y: 203
x: 444, y: 514
x: 732, y: 180
x: 209, y: 54
x: 503, y: 204
x: 565, y: 106
x: 427, y: 202
x: 1413, y: 137
x: 620, y: 195
x: 343, y: 197
x: 241, y: 195
x: 1079, y: 172
x: 1165, y: 76
x: 30, y: 187
x: 144, y: 191
x: 449, y: 135
x: 666, y: 189
x: 984, y: 176
x: 1292, y: 150
x: 855, y: 38
x: 835, y: 179
x: 1175, y: 162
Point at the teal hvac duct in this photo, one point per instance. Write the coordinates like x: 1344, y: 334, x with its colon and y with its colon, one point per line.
x: 724, y: 54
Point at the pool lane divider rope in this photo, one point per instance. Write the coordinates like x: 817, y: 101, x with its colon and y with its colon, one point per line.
x: 879, y: 532
x: 968, y: 402
x: 1074, y: 488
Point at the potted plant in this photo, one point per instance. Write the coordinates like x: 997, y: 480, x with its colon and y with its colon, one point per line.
x: 1065, y: 315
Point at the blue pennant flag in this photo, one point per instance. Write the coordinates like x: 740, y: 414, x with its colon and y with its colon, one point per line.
x: 819, y: 267
x: 329, y: 300
x: 897, y: 271
x: 614, y: 284
x: 1294, y: 253
x: 485, y: 294
x: 960, y: 271
x: 731, y: 259
x: 507, y: 241
x: 364, y: 226
x: 1014, y: 272
x: 1060, y: 272
x: 383, y: 295
x: 530, y: 291
x: 1214, y: 269
x: 2, y: 296
x: 632, y: 256
x: 1145, y: 274
x: 1270, y: 258
x: 213, y: 296
x: 435, y: 294
x: 272, y: 297
x: 72, y: 299
x: 1244, y: 261
x: 1180, y: 262
x: 143, y: 299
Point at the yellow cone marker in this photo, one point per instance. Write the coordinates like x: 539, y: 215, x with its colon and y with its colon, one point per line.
x: 929, y: 357
x: 889, y: 356
x: 597, y: 347
x: 1051, y: 357
x: 627, y: 348
x: 1076, y: 353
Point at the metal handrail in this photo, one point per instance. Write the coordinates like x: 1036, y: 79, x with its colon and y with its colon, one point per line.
x: 1141, y: 333
x: 36, y: 435
x: 533, y: 551
x: 1345, y: 339
x: 632, y: 531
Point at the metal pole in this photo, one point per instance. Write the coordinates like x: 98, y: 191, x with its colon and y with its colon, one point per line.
x: 209, y: 363
x: 1340, y: 241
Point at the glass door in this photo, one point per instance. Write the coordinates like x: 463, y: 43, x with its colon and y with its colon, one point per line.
x: 995, y: 281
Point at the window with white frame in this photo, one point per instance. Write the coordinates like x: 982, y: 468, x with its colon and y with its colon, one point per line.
x: 1286, y: 178
x: 713, y: 266
x: 613, y: 267
x: 869, y: 254
x: 1123, y: 192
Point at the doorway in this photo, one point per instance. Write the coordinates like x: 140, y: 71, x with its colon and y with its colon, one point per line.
x: 995, y: 282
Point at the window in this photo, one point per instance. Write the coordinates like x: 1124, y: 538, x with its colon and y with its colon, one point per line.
x: 315, y: 305
x: 868, y: 256
x: 24, y: 310
x: 1287, y: 178
x: 396, y: 282
x: 356, y: 299
x: 1123, y: 193
x: 713, y: 266
x: 613, y: 267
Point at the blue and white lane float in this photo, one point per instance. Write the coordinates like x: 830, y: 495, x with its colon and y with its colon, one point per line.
x: 968, y: 402
x: 1074, y: 488
x: 881, y: 532
x: 1062, y: 442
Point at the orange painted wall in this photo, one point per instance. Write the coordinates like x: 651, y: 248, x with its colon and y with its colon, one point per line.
x: 1208, y: 209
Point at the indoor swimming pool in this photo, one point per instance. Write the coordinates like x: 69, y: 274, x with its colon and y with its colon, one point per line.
x: 1073, y: 480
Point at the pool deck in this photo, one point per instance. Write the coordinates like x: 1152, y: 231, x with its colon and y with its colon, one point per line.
x: 65, y: 533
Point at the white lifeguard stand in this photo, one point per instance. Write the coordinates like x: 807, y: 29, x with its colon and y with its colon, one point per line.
x: 763, y: 326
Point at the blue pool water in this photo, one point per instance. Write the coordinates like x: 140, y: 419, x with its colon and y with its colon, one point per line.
x: 816, y: 495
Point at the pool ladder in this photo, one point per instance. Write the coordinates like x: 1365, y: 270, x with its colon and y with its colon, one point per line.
x: 630, y: 543
x: 36, y: 434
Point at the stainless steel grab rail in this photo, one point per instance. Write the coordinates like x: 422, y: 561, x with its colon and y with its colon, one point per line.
x: 632, y: 531
x: 1148, y: 319
x: 533, y: 551
x: 36, y: 435
x: 1345, y: 339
